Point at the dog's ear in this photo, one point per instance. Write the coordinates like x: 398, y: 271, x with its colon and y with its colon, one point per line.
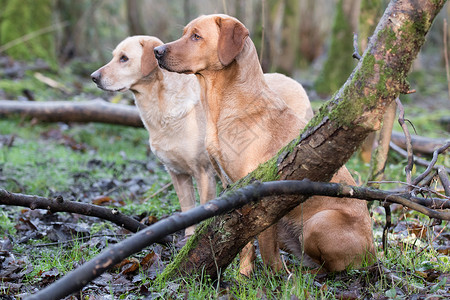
x: 231, y: 39
x: 148, y: 59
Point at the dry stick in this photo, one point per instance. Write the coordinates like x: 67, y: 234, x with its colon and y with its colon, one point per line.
x: 355, y: 47
x: 387, y: 209
x: 165, y: 187
x: 79, y: 277
x: 443, y: 176
x: 446, y: 57
x: 32, y: 35
x: 401, y: 121
x: 419, y: 200
x: 432, y: 163
x: 60, y: 205
x: 417, y: 160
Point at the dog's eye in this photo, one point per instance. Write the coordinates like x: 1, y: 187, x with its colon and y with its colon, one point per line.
x: 123, y: 58
x: 196, y: 37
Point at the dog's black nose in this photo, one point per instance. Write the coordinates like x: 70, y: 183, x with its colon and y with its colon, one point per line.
x: 160, y: 51
x: 96, y: 76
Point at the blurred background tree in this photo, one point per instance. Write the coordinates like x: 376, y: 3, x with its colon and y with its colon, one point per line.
x: 310, y: 40
x: 26, y: 29
x: 339, y: 63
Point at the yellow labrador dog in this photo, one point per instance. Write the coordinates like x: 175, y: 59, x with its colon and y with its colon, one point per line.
x: 247, y: 123
x: 169, y: 105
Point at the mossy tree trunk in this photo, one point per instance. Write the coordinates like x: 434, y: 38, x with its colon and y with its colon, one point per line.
x: 327, y: 143
x: 339, y: 63
x: 22, y: 17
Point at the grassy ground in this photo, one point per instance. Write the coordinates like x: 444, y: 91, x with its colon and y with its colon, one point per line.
x: 113, y: 165
x: 84, y: 162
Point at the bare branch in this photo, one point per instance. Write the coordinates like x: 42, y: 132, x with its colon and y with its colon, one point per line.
x: 60, y: 205
x: 432, y: 163
x: 401, y: 120
x: 443, y: 176
x: 417, y: 160
x: 79, y: 277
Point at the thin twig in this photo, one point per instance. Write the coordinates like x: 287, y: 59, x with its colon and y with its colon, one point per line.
x: 435, y: 238
x: 165, y: 187
x: 71, y: 241
x: 432, y: 163
x: 417, y: 160
x: 443, y: 176
x: 355, y: 47
x: 422, y: 189
x: 387, y: 209
x: 32, y: 35
x: 401, y: 121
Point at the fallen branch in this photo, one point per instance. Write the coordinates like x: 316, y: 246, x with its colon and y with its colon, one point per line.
x: 105, y: 112
x: 419, y: 161
x: 60, y: 205
x: 420, y: 144
x: 69, y: 111
x: 79, y: 277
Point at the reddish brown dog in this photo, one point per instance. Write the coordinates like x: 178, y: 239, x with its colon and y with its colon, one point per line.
x: 247, y: 123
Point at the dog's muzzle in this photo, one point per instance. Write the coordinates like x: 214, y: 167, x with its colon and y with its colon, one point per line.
x: 160, y: 53
x: 96, y: 77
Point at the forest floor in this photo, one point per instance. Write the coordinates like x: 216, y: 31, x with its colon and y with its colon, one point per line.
x: 112, y: 166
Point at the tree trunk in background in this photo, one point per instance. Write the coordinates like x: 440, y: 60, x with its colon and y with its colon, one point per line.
x: 134, y: 18
x: 275, y: 34
x: 20, y: 18
x: 331, y: 138
x: 339, y: 63
x: 81, y: 31
x: 370, y: 13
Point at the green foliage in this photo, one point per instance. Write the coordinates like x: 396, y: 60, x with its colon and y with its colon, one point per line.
x: 21, y: 17
x: 339, y: 63
x: 63, y: 259
x: 6, y: 225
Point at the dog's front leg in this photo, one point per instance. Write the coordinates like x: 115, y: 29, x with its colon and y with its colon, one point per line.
x: 206, y: 183
x: 269, y: 249
x: 247, y: 257
x: 185, y: 192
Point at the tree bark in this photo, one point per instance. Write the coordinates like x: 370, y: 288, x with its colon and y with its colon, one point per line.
x: 67, y: 111
x: 326, y: 144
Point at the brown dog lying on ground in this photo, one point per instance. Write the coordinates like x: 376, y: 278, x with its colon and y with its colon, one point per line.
x: 169, y: 105
x: 247, y: 123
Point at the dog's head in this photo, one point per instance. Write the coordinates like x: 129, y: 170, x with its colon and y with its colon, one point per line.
x: 133, y: 59
x: 209, y: 42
